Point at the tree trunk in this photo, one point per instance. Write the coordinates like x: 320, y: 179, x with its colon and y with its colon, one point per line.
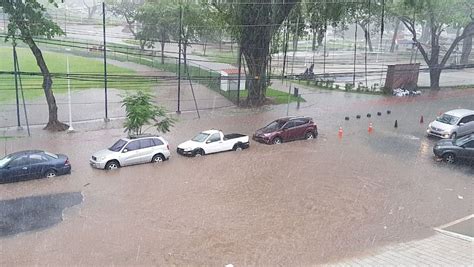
x: 313, y: 47
x: 162, y: 52
x: 435, y: 74
x: 53, y: 123
x: 321, y: 34
x: 367, y: 38
x: 466, y: 50
x: 394, y: 38
x: 256, y: 80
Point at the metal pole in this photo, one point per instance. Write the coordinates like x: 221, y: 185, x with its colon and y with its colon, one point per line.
x: 16, y: 86
x: 355, y: 54
x: 22, y: 96
x: 71, y: 129
x: 179, y: 57
x: 239, y: 75
x: 288, y: 106
x: 105, y: 64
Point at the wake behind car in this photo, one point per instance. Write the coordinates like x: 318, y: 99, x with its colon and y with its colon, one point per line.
x: 453, y: 149
x: 130, y: 151
x: 287, y: 129
x: 452, y: 124
x: 213, y: 141
x: 32, y: 164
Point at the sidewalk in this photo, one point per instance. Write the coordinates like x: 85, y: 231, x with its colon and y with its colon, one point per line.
x: 437, y: 250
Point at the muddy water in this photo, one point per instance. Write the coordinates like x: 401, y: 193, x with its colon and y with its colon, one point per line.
x: 300, y: 203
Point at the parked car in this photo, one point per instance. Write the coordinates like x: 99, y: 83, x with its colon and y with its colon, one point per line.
x: 213, y: 141
x: 32, y: 164
x: 287, y: 129
x: 452, y: 124
x: 130, y: 151
x: 453, y: 149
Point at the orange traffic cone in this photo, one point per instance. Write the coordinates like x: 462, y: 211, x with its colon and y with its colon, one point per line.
x: 421, y: 119
x: 371, y: 128
x: 340, y: 132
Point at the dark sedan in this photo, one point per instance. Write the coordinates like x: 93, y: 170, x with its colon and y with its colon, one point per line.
x: 287, y: 129
x: 451, y: 150
x: 32, y: 164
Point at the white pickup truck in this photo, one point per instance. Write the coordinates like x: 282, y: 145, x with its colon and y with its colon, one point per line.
x: 213, y: 141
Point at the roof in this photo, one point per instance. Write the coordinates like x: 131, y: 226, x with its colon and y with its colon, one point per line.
x: 15, y: 154
x: 460, y: 112
x: 211, y: 131
x: 138, y: 136
x: 292, y: 117
x: 232, y: 71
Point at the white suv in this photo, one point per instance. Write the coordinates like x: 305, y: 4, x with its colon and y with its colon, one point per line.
x: 130, y: 151
x: 452, y: 124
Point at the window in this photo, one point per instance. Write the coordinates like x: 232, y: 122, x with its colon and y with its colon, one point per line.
x: 201, y: 137
x: 157, y: 142
x: 289, y: 125
x: 145, y: 143
x: 468, y: 119
x: 20, y: 161
x: 469, y: 144
x: 134, y: 145
x: 300, y: 122
x: 118, y: 145
x: 37, y: 158
x: 214, y: 138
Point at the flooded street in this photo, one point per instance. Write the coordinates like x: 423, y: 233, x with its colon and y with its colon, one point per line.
x: 298, y: 203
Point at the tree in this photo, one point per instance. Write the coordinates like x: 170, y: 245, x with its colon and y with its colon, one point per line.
x: 91, y: 9
x: 192, y: 24
x: 319, y: 16
x: 128, y: 9
x: 252, y: 24
x: 26, y: 20
x: 140, y: 111
x: 439, y: 15
x: 158, y: 20
x: 467, y: 42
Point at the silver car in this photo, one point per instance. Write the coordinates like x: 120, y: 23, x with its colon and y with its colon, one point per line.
x: 130, y: 151
x: 453, y: 124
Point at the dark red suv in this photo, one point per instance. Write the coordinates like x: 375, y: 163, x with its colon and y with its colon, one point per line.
x: 287, y: 129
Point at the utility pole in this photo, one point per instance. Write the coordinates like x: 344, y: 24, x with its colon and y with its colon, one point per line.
x: 355, y: 55
x: 105, y: 64
x: 179, y: 57
x: 71, y: 129
x: 16, y: 85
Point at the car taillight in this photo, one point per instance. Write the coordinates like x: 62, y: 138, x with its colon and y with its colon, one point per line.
x: 67, y: 162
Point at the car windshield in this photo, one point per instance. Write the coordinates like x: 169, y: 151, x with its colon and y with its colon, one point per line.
x: 274, y: 126
x: 201, y: 137
x: 118, y: 145
x: 448, y: 119
x: 4, y: 161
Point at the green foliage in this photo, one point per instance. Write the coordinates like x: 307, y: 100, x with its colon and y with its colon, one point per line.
x: 140, y: 111
x: 28, y: 18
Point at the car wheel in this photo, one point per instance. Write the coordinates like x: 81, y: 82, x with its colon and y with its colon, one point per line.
x: 237, y: 148
x: 198, y: 153
x: 158, y: 158
x: 309, y: 136
x: 277, y: 141
x: 50, y: 174
x: 112, y: 165
x: 453, y: 136
x: 449, y: 158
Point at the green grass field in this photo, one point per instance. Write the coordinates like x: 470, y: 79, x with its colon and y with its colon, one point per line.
x: 57, y: 64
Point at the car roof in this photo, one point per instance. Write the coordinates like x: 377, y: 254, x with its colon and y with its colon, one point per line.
x: 292, y: 118
x: 211, y: 131
x: 460, y: 112
x: 140, y: 136
x: 25, y: 152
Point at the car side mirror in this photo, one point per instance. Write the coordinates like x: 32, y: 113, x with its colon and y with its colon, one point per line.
x: 124, y: 150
